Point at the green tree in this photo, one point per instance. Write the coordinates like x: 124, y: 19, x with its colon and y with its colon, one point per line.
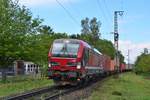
x: 17, y: 25
x: 85, y: 26
x: 142, y: 63
x: 90, y: 29
x: 94, y: 27
x: 121, y: 57
x: 44, y: 29
x: 106, y: 47
x: 75, y: 36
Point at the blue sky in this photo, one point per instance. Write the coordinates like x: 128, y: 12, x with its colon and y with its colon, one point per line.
x: 134, y: 28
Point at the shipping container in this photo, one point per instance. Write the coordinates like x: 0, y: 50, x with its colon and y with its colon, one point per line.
x: 107, y: 63
x: 122, y: 67
x: 112, y: 65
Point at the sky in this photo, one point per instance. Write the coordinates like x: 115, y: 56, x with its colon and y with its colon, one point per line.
x: 66, y: 16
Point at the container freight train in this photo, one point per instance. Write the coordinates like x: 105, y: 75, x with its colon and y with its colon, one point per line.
x: 73, y: 61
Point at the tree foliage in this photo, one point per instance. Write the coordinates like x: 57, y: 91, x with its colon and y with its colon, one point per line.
x: 95, y: 28
x: 85, y: 26
x: 121, y: 57
x: 142, y: 63
x: 106, y: 47
x: 91, y: 27
x: 17, y: 25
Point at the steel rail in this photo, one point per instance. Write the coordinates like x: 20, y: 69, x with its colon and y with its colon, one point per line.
x: 29, y: 94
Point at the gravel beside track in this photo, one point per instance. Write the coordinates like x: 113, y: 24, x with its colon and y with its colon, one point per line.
x: 82, y: 93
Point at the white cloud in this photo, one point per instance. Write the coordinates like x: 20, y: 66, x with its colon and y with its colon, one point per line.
x: 135, y: 49
x: 43, y: 2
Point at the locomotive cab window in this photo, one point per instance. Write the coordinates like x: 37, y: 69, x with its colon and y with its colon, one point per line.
x: 65, y: 49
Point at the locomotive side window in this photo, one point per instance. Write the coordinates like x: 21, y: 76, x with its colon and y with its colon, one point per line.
x: 85, y: 56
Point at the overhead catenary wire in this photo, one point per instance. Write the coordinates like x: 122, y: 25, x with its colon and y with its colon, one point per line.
x: 75, y: 9
x: 103, y: 12
x: 107, y: 8
x: 69, y: 14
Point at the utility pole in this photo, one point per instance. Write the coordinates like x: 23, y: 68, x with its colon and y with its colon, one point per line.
x: 128, y: 58
x: 116, y: 38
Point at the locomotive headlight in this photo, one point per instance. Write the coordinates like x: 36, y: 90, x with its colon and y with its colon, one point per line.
x: 49, y: 65
x: 78, y: 65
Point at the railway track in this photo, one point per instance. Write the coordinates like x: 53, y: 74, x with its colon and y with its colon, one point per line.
x: 71, y: 90
x: 46, y: 93
x: 62, y: 92
x: 29, y: 94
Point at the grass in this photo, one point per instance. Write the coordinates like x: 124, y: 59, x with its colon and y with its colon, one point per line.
x: 19, y: 84
x: 129, y: 86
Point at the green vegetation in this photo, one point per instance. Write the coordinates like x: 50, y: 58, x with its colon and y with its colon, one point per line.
x: 128, y: 87
x: 17, y: 26
x: 21, y: 84
x: 106, y: 47
x: 142, y: 63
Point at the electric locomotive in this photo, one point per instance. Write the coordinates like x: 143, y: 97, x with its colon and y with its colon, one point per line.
x: 72, y: 61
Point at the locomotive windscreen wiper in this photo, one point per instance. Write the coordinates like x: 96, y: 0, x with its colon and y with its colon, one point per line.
x: 64, y: 49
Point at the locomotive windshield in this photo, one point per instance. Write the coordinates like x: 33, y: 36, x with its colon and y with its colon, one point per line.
x: 65, y: 49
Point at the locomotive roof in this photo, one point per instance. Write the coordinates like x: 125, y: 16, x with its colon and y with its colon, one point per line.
x: 73, y: 41
x: 70, y: 40
x: 78, y: 41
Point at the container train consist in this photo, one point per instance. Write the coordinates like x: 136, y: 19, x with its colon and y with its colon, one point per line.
x: 72, y: 61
